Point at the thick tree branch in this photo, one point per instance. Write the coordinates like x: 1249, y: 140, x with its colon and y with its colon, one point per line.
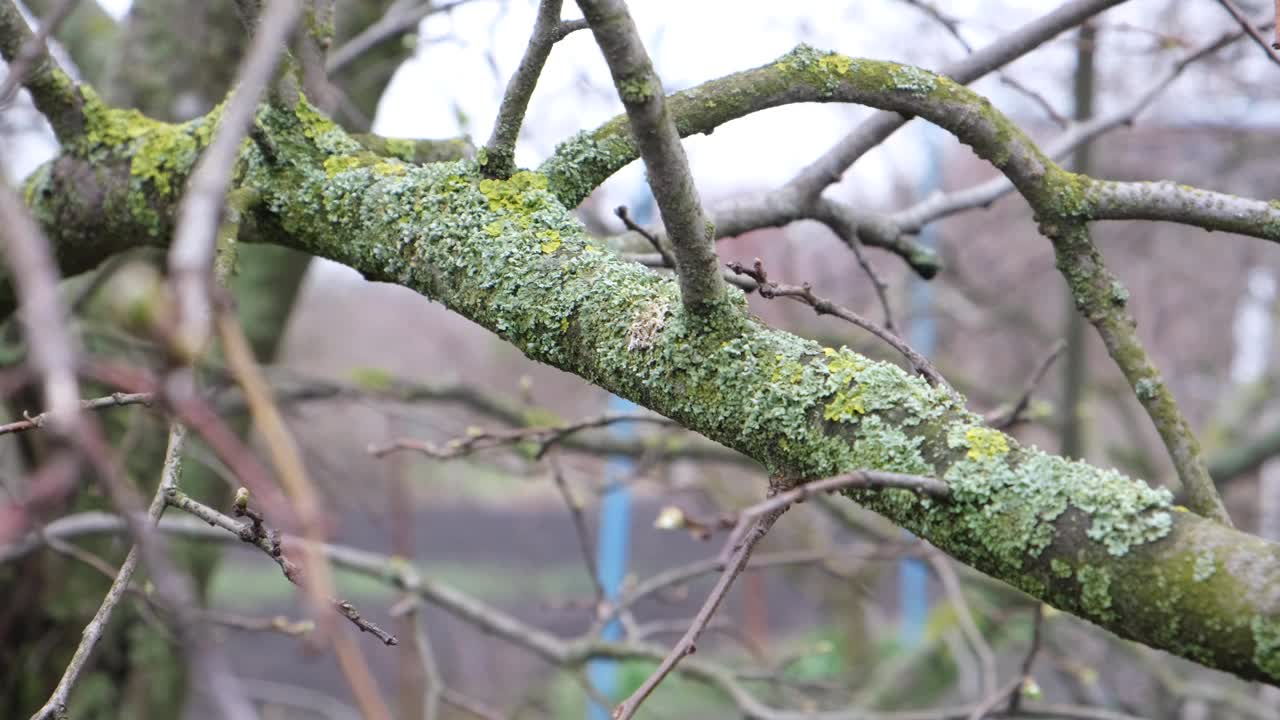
x: 658, y: 141
x: 509, y: 256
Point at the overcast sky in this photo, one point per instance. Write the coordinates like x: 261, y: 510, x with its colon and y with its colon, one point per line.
x: 464, y: 58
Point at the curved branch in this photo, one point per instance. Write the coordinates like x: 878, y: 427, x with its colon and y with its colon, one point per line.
x: 512, y: 258
x: 51, y: 88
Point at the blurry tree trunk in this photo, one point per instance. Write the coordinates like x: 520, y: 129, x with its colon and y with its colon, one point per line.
x: 173, y: 60
x: 1075, y: 367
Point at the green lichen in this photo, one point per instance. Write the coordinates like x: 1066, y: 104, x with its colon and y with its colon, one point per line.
x: 1266, y: 645
x: 1061, y: 568
x: 1205, y: 566
x: 580, y: 163
x: 637, y: 89
x: 1119, y: 293
x: 913, y: 80
x: 1095, y: 592
x: 477, y: 245
x: 160, y: 155
x: 1146, y: 389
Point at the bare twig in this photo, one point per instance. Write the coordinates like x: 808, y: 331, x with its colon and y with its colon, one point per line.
x: 964, y: 616
x: 191, y: 255
x: 544, y: 437
x: 118, y: 399
x: 823, y: 306
x: 580, y: 529
x: 625, y: 217
x: 254, y: 532
x: 222, y: 688
x: 1012, y: 415
x: 1025, y: 679
x: 1247, y: 25
x: 400, y: 18
x: 499, y: 158
x: 54, y: 93
x: 34, y: 50
x: 687, y: 644
x: 561, y: 652
x: 287, y: 459
x: 654, y: 129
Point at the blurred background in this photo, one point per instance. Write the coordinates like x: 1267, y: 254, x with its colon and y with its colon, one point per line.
x: 852, y: 613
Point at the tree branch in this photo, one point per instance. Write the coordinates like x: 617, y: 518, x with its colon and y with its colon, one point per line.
x: 53, y: 91
x: 500, y: 151
x: 658, y: 141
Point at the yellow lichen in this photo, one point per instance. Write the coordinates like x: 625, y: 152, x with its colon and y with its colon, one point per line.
x: 985, y: 443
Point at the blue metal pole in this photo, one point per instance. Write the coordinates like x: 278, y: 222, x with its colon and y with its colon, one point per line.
x: 913, y: 576
x: 614, y: 538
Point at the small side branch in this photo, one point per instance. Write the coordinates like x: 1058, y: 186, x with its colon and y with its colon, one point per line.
x: 499, y: 158
x: 253, y: 531
x: 823, y: 306
x: 654, y: 130
x: 1101, y: 298
x: 30, y: 64
x: 119, y: 399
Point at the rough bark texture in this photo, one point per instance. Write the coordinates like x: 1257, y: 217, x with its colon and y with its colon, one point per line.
x: 509, y: 255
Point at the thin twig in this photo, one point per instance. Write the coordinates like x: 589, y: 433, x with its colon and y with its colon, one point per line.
x: 1026, y: 680
x: 1248, y: 27
x: 823, y: 306
x: 544, y: 437
x: 118, y: 399
x: 687, y: 645
x: 580, y: 529
x: 191, y: 255
x: 254, y: 532
x: 964, y: 616
x: 1005, y: 419
x: 667, y: 258
x: 34, y: 50
x: 861, y: 480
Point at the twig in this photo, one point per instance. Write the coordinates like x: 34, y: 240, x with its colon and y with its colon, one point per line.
x: 499, y: 158
x: 271, y: 542
x: 1005, y: 419
x: 580, y: 529
x: 53, y: 91
x: 35, y: 277
x: 117, y: 399
x: 287, y: 458
x: 34, y: 50
x: 952, y: 26
x: 222, y: 687
x: 822, y: 306
x: 1025, y: 680
x: 561, y: 652
x: 861, y: 479
x: 397, y: 21
x: 964, y: 616
x: 192, y: 253
x: 687, y: 645
x: 478, y: 439
x: 654, y: 129
x: 1247, y: 25
x: 625, y: 217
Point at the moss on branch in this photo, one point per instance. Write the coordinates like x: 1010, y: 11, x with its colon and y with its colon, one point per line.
x: 510, y: 255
